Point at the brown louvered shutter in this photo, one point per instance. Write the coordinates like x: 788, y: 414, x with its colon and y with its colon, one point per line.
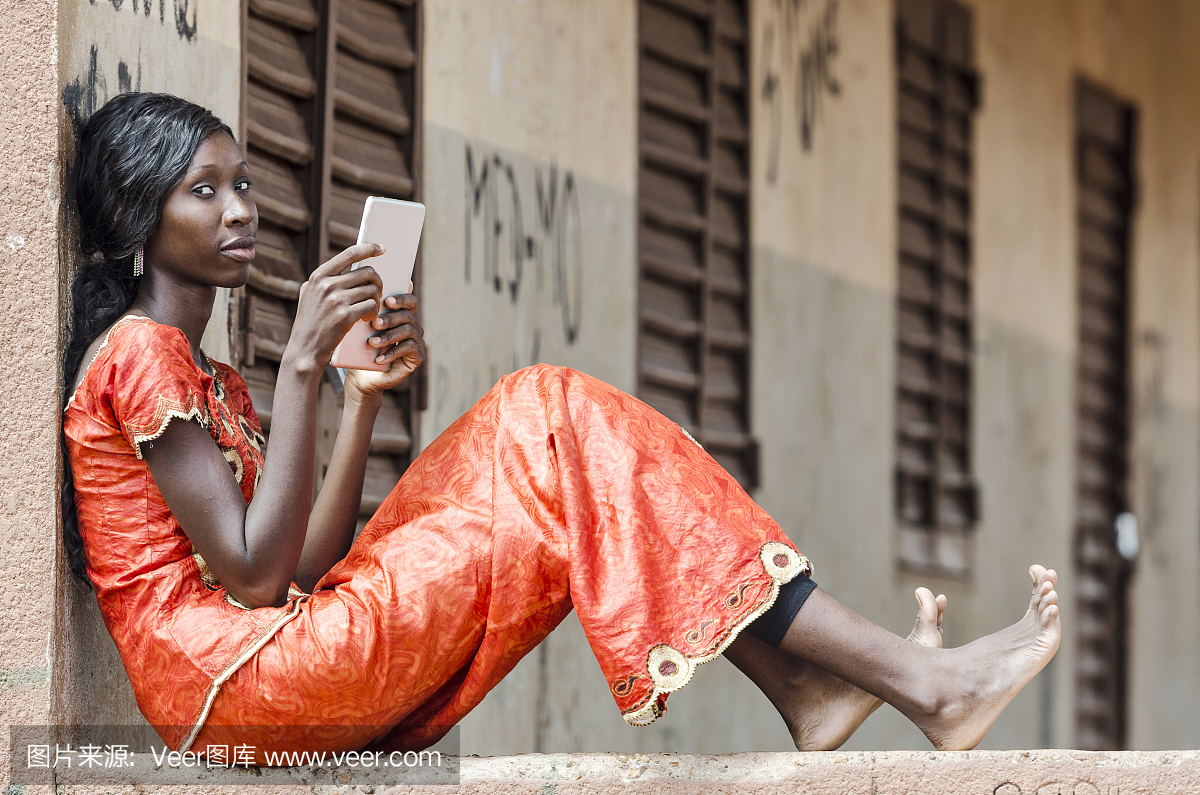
x: 330, y: 103
x: 1104, y: 180
x: 693, y: 234
x: 936, y: 500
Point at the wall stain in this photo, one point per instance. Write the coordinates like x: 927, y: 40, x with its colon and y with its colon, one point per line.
x: 185, y: 24
x: 798, y: 66
x: 89, y: 91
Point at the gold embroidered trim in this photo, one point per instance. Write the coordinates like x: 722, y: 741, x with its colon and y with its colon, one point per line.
x: 100, y: 350
x: 237, y: 662
x: 164, y: 412
x: 671, y: 669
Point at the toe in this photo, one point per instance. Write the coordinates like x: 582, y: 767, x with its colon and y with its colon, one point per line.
x: 927, y: 608
x: 1036, y: 572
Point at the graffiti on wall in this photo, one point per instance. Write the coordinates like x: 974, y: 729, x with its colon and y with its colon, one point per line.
x: 522, y: 247
x: 87, y: 92
x: 183, y: 13
x: 94, y: 86
x: 799, y: 51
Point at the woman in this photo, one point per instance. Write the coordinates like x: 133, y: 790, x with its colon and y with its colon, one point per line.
x: 245, y: 614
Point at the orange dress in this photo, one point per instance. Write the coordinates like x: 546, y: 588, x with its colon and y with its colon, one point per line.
x: 555, y: 491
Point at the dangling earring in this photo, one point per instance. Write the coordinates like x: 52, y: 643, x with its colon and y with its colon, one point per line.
x: 137, y: 262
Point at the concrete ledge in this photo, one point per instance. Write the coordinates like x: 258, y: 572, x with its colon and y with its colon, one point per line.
x: 880, y: 773
x: 883, y: 773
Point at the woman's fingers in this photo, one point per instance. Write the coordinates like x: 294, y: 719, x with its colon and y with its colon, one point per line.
x: 346, y: 258
x: 396, y: 333
x: 390, y: 320
x: 354, y: 298
x: 411, y: 350
x: 402, y: 301
x: 363, y: 310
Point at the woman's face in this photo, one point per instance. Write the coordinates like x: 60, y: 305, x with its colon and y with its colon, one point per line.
x: 206, y: 236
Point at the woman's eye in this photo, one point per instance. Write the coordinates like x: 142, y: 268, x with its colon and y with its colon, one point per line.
x: 243, y: 184
x: 203, y: 190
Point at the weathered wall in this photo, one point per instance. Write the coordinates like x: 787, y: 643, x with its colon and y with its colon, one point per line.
x: 191, y: 48
x: 528, y: 255
x: 29, y: 183
x: 1145, y: 51
x: 824, y: 225
x: 529, y: 161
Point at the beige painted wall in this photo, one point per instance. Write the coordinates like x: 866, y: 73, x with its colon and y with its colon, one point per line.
x: 529, y: 169
x: 824, y: 318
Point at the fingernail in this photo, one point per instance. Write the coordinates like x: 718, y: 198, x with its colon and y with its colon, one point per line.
x: 373, y: 341
x: 379, y: 359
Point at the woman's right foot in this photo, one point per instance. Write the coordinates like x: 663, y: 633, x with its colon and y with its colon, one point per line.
x: 822, y: 711
x: 971, y: 685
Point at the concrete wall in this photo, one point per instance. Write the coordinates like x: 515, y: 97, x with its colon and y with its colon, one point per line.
x: 825, y: 268
x: 29, y: 295
x: 191, y: 48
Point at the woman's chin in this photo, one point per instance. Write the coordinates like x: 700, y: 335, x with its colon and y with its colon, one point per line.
x: 235, y: 278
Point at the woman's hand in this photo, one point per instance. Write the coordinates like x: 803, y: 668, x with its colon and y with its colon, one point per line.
x: 400, y: 341
x: 330, y: 303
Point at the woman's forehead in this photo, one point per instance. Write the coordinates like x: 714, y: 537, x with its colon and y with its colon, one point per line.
x: 217, y: 151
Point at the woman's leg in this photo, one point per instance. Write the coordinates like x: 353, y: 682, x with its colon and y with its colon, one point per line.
x: 952, y: 695
x: 822, y: 711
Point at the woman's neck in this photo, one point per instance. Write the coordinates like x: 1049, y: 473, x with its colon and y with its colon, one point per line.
x: 187, y: 307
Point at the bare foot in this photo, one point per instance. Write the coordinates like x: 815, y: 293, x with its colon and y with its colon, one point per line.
x: 974, y: 683
x: 823, y: 710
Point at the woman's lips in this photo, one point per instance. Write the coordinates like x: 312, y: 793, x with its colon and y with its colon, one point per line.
x: 242, y: 254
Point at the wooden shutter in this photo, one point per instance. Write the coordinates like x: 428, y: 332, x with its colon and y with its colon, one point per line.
x: 937, y: 96
x: 693, y: 234
x: 1104, y: 182
x: 330, y: 103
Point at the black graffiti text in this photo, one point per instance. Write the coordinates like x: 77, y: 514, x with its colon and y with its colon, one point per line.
x: 550, y: 242
x: 799, y: 55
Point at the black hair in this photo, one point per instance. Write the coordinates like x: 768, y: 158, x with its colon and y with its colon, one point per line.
x: 129, y: 156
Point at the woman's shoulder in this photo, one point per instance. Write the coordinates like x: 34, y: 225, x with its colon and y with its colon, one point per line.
x: 134, y: 353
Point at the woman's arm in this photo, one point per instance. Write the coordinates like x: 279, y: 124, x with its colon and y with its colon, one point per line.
x: 335, y: 513
x: 255, y: 549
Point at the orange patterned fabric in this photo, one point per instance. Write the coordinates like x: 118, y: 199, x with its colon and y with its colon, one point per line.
x: 555, y: 491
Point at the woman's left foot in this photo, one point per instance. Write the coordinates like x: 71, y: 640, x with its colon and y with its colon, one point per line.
x: 823, y: 710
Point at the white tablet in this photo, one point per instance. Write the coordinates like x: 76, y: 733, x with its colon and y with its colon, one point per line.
x: 396, y: 225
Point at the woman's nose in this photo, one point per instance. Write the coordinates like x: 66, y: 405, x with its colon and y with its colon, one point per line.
x: 240, y: 210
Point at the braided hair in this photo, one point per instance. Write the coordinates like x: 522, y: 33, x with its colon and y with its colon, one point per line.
x: 129, y: 156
